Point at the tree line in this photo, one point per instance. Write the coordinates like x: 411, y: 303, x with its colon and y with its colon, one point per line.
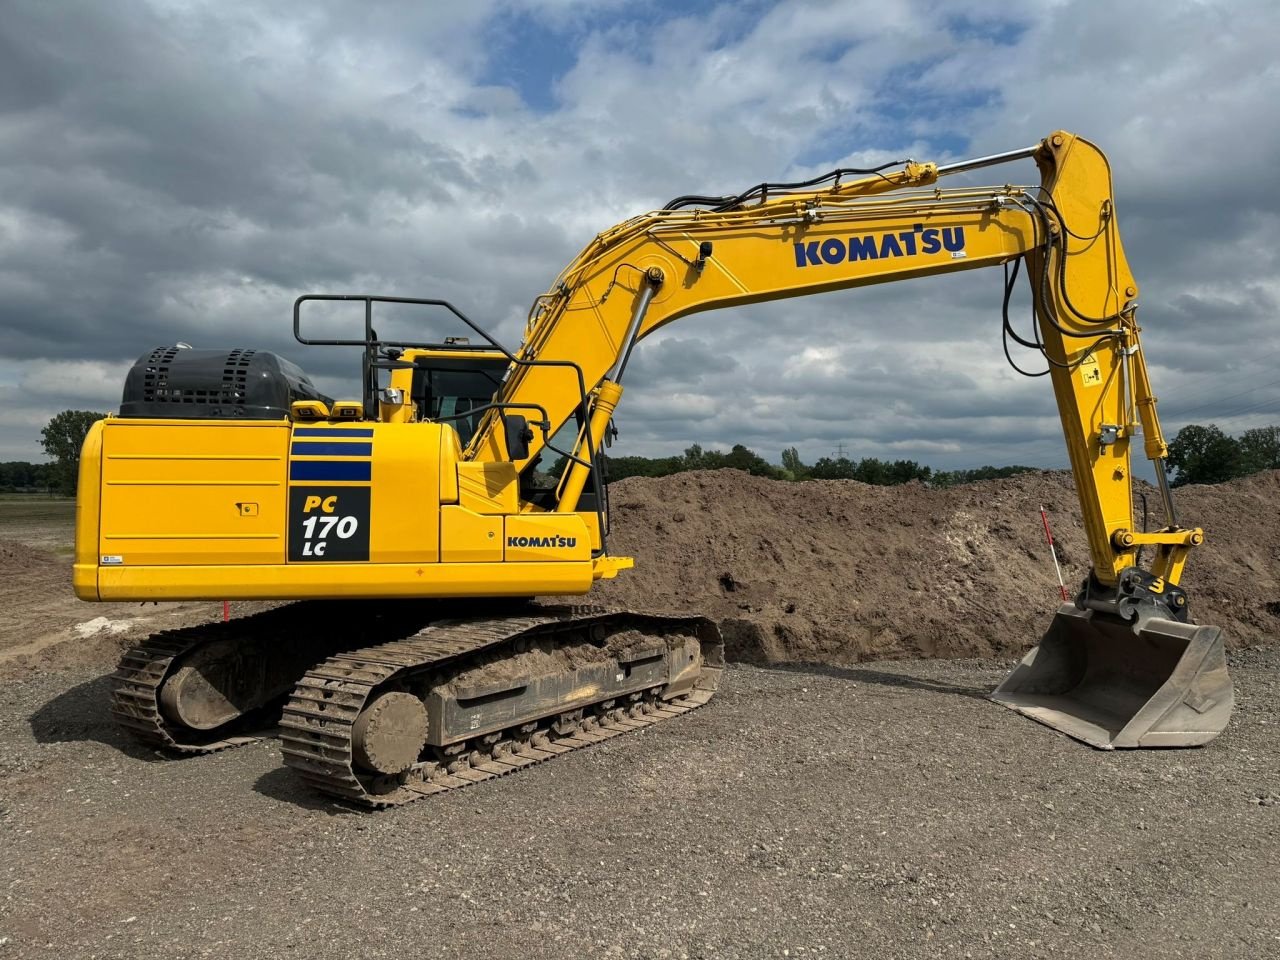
x: 62, y: 437
x: 867, y: 469
x: 19, y: 476
x: 1198, y: 454
x: 1207, y: 455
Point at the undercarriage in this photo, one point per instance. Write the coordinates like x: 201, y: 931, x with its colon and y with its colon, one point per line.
x: 415, y: 698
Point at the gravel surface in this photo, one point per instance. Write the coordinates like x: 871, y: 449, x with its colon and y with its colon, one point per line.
x: 879, y: 809
x: 884, y: 810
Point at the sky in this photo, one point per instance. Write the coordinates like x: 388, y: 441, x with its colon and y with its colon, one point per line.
x: 182, y: 170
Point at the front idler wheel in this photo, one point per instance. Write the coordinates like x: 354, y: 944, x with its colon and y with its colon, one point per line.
x: 389, y: 734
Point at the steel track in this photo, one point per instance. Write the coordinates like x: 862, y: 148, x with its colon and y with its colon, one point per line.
x: 315, y: 626
x: 320, y: 715
x: 135, y: 698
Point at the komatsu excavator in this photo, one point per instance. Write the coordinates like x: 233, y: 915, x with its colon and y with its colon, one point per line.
x: 411, y: 528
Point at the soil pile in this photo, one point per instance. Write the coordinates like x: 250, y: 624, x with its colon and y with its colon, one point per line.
x: 44, y: 627
x: 826, y: 571
x: 24, y: 567
x: 838, y: 572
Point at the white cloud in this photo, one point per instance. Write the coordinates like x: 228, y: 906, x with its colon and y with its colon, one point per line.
x: 183, y: 170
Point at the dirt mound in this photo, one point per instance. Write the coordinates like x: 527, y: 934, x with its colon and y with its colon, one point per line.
x: 838, y: 571
x: 829, y: 571
x: 1234, y: 579
x: 44, y: 627
x: 26, y: 565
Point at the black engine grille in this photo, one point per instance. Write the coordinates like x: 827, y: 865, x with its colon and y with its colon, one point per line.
x: 185, y: 383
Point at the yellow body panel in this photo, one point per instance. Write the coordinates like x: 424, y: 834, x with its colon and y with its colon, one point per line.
x: 405, y: 479
x: 180, y: 492
x: 487, y: 487
x: 337, y: 580
x: 450, y: 455
x: 469, y: 537
x: 84, y: 573
x: 211, y: 509
x: 592, y: 520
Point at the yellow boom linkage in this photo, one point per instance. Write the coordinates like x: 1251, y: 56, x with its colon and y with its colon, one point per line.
x: 1092, y: 676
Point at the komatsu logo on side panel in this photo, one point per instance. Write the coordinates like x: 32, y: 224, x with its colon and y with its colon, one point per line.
x: 542, y: 541
x: 919, y: 239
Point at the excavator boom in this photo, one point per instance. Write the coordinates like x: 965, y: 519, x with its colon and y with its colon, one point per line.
x: 650, y: 271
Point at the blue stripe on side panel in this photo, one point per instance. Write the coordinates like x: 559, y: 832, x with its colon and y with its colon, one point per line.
x: 322, y: 449
x: 330, y: 470
x: 332, y: 432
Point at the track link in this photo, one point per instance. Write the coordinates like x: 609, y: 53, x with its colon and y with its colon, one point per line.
x: 319, y: 718
x: 135, y: 698
x: 283, y: 641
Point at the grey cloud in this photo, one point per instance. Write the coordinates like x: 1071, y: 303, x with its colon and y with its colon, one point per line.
x: 183, y: 171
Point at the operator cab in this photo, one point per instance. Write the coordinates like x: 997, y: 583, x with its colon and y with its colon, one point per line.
x: 452, y: 379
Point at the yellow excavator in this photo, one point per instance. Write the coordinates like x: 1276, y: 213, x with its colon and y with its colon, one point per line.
x: 411, y: 529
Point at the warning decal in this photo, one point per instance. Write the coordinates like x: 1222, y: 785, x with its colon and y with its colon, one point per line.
x: 1090, y: 372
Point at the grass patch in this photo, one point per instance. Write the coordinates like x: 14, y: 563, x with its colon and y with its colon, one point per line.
x: 36, y: 511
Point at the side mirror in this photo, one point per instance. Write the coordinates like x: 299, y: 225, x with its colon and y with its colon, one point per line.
x: 518, y: 435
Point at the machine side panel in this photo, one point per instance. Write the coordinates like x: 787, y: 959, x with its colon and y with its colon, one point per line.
x: 469, y: 537
x: 179, y: 492
x: 405, y: 512
x: 84, y: 574
x: 547, y: 537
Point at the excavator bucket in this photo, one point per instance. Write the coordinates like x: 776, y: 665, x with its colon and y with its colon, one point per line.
x: 1115, y: 684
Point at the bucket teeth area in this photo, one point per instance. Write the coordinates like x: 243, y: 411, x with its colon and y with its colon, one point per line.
x: 1116, y: 685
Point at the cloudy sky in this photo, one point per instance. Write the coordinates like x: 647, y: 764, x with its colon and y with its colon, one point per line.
x: 182, y: 170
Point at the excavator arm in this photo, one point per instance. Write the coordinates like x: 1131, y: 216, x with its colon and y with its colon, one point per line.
x: 1122, y: 667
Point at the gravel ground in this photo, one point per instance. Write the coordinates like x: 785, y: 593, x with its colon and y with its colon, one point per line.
x: 884, y: 811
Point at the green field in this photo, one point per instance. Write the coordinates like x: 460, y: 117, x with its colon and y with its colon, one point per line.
x: 39, y: 521
x: 20, y: 509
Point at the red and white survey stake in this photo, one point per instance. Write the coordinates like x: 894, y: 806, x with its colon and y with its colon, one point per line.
x: 1048, y: 535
